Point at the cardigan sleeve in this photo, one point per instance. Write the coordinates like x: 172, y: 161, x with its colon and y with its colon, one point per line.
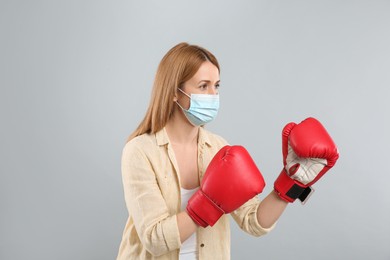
x: 246, y: 218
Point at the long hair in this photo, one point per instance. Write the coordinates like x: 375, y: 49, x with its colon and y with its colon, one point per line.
x: 177, y: 66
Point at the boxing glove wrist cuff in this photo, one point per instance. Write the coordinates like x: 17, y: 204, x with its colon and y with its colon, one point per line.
x: 202, y: 210
x: 289, y: 190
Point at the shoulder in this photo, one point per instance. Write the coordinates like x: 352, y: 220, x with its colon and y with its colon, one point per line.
x: 140, y: 144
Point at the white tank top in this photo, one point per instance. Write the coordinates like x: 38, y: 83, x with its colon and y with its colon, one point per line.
x: 188, y: 249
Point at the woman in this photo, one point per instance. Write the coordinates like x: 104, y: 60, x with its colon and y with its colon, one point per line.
x: 164, y: 161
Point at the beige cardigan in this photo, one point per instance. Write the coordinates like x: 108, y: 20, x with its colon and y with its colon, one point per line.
x: 152, y: 194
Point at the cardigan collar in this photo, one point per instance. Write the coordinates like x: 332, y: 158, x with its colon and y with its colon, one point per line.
x: 162, y: 137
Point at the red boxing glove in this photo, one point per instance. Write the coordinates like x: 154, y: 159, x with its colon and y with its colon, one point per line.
x: 308, y: 153
x: 231, y: 179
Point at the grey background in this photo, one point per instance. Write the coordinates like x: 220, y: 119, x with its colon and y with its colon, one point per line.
x: 76, y: 79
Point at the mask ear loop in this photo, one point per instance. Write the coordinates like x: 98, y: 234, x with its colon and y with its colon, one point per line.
x: 180, y: 105
x: 184, y: 94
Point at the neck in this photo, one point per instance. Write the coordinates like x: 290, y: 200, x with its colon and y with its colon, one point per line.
x: 180, y: 131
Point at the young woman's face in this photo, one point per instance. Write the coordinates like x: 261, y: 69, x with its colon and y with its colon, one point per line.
x: 205, y: 81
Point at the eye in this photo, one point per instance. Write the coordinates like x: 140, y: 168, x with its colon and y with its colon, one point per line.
x: 217, y: 86
x: 203, y: 86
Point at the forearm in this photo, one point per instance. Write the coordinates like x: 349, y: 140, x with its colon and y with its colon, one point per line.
x: 270, y: 209
x: 186, y: 225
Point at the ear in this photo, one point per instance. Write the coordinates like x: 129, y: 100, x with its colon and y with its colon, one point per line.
x: 175, y: 98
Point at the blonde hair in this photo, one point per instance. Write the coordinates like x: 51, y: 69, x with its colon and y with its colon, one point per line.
x: 177, y: 66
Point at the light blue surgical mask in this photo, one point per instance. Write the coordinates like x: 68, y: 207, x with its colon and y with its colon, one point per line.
x: 203, y: 108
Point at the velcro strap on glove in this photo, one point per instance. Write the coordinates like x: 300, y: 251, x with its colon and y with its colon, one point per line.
x: 290, y: 190
x: 298, y: 192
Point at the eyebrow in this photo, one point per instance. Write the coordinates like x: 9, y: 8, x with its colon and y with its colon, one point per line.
x: 208, y: 81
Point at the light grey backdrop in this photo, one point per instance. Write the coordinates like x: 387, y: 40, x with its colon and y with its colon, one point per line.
x: 76, y: 79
